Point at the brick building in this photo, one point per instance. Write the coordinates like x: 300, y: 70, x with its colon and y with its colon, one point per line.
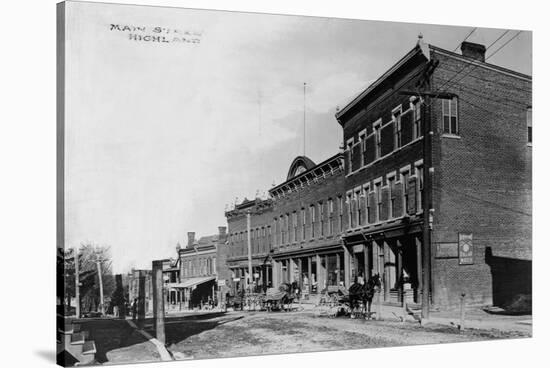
x: 432, y: 190
x: 191, y: 279
x: 295, y: 234
x: 465, y: 223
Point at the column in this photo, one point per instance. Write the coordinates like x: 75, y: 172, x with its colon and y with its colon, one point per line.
x: 347, y: 266
x: 367, y: 274
x: 399, y: 261
x: 418, y: 244
x: 158, y: 305
x: 385, y: 259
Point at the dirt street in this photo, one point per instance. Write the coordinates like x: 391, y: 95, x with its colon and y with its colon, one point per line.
x: 256, y: 333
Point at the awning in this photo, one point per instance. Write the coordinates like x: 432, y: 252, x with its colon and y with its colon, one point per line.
x: 190, y: 282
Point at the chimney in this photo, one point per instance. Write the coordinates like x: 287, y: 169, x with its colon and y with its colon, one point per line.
x: 190, y: 239
x: 473, y: 50
x: 221, y: 230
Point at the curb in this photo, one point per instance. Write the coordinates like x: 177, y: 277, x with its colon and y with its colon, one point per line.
x: 163, y: 352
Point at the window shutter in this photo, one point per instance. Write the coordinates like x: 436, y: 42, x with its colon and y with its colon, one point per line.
x: 407, y: 127
x: 411, y: 205
x: 356, y: 157
x: 370, y: 149
x: 398, y: 202
x: 385, y: 203
x: 387, y: 139
x: 372, y: 204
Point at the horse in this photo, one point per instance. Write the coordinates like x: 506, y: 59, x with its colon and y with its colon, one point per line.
x: 360, y: 296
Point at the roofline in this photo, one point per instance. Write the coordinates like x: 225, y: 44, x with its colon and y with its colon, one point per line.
x: 377, y: 82
x: 420, y: 48
x: 332, y: 158
x: 481, y: 63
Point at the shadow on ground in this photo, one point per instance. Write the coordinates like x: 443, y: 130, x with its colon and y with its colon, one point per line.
x: 178, y: 329
x: 110, y: 335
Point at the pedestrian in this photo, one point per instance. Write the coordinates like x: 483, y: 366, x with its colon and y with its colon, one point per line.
x: 134, y: 309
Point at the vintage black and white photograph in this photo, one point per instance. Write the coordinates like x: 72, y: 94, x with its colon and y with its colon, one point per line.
x: 235, y: 184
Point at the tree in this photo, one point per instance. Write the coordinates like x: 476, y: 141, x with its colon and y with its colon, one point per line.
x: 89, y: 256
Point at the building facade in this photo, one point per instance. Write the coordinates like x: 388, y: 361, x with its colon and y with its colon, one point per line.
x: 190, y: 280
x: 294, y: 235
x: 463, y: 225
x: 432, y: 191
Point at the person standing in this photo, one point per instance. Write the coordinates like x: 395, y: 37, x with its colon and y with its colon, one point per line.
x: 134, y: 309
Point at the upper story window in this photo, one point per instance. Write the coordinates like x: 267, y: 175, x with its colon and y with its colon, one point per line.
x: 358, y: 207
x: 330, y: 203
x: 340, y: 213
x: 417, y: 116
x: 396, y: 117
x: 450, y: 116
x: 349, y: 146
x: 294, y: 226
x: 378, y: 194
x: 391, y: 186
x: 312, y: 222
x: 405, y: 174
x: 362, y: 146
x: 529, y: 126
x: 377, y: 138
x: 303, y: 224
x: 349, y: 199
x: 419, y: 186
x: 321, y: 219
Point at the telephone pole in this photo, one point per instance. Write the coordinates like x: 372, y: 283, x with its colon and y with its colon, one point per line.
x: 76, y: 283
x: 249, y: 249
x: 98, y: 264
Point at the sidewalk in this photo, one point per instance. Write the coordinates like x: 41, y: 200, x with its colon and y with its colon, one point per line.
x: 475, y: 318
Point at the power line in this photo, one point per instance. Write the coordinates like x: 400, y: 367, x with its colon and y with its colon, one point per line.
x: 464, y: 40
x: 471, y: 62
x: 488, y: 57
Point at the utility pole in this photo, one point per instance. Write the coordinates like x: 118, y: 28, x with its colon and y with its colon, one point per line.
x: 249, y: 249
x: 427, y: 215
x: 304, y: 118
x: 98, y: 264
x: 76, y: 282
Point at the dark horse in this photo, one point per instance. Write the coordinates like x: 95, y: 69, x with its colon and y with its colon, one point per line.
x: 360, y: 296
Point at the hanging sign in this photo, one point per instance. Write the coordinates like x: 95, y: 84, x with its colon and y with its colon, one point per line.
x: 465, y: 249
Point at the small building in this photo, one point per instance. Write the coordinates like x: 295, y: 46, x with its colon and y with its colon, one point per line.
x: 140, y: 287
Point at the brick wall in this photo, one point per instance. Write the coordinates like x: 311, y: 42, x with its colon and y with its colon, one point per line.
x: 482, y: 185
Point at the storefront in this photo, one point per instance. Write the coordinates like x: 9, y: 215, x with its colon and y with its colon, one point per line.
x: 395, y: 255
x: 314, y: 269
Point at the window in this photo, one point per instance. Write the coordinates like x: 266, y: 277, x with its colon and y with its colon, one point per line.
x: 340, y: 213
x: 287, y: 228
x: 420, y: 186
x: 529, y: 126
x: 282, y: 229
x: 321, y: 219
x: 377, y: 138
x: 275, y: 231
x: 312, y: 218
x: 330, y: 216
x: 294, y: 226
x: 378, y: 191
x: 417, y: 109
x: 350, y: 153
x: 450, y: 116
x: 405, y: 180
x: 391, y: 185
x: 350, y: 212
x: 366, y: 190
x: 362, y: 144
x: 303, y: 224
x: 396, y: 116
x: 358, y: 210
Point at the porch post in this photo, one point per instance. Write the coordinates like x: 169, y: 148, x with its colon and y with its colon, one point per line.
x: 347, y: 266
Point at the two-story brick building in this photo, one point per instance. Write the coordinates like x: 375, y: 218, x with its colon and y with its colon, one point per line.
x: 192, y: 278
x: 438, y: 178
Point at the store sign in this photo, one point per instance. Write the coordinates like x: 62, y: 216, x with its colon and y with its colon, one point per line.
x: 237, y: 279
x: 358, y: 248
x: 465, y: 249
x: 221, y: 282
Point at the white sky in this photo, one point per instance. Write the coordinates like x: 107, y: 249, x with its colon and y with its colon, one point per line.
x: 161, y: 136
